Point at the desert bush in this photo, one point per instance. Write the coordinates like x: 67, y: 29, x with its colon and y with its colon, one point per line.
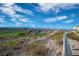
x: 73, y: 36
x: 36, y: 49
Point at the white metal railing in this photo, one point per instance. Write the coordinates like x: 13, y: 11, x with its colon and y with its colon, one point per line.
x: 66, y: 47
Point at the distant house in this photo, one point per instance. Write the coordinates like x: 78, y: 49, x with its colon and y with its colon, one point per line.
x: 76, y: 28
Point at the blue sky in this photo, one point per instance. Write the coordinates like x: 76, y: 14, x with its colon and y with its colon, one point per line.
x: 39, y: 15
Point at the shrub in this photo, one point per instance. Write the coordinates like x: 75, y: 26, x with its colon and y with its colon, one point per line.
x: 36, y: 49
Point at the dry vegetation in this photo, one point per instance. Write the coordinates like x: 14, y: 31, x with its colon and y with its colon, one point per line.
x: 58, y: 37
x: 73, y: 35
x: 38, y: 49
x: 25, y: 42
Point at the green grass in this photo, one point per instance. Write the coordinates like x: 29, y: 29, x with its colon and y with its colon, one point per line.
x: 10, y: 43
x: 10, y: 34
x: 18, y: 34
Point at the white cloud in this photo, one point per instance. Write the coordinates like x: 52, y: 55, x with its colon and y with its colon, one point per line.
x: 56, y: 7
x: 54, y: 19
x: 13, y: 19
x: 21, y: 21
x: 10, y: 9
x: 69, y: 21
x: 25, y: 20
x: 2, y: 20
x: 7, y: 11
x: 18, y: 24
x: 61, y: 17
x: 45, y: 6
x: 8, y: 4
x: 19, y: 9
x: 33, y: 25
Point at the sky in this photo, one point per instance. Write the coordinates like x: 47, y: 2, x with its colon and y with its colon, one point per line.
x: 39, y: 15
